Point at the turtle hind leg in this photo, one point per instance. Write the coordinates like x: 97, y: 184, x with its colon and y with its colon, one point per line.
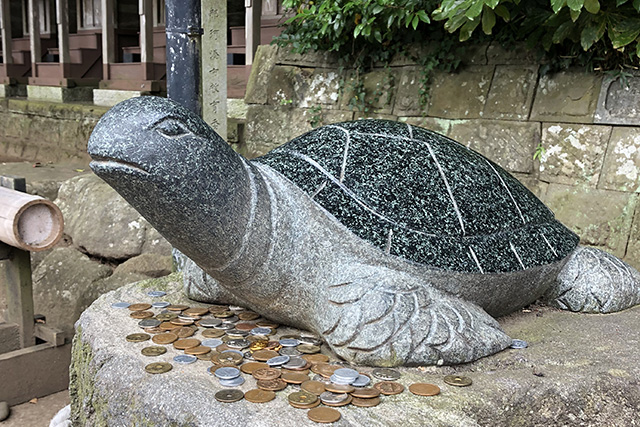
x: 594, y: 281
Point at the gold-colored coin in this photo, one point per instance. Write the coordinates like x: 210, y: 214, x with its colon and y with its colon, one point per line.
x: 308, y: 349
x: 305, y: 405
x: 323, y: 415
x: 140, y: 337
x: 218, y: 308
x: 164, y: 339
x: 229, y: 395
x: 365, y: 403
x: 168, y: 326
x: 315, y: 387
x: 197, y: 350
x: 389, y: 387
x: 458, y: 381
x: 302, y: 397
x: 266, y: 374
x: 345, y: 402
x: 165, y: 317
x: 228, y: 357
x: 267, y: 324
x: 294, y: 377
x: 186, y: 343
x: 339, y: 388
x: 257, y: 338
x: 154, y: 331
x: 177, y: 307
x: 206, y: 356
x: 259, y: 396
x: 184, y: 332
x: 258, y: 345
x: 249, y: 367
x: 273, y: 385
x: 248, y: 315
x: 196, y: 311
x: 139, y: 307
x: 316, y: 358
x: 264, y: 355
x: 365, y: 393
x: 141, y: 314
x: 181, y: 322
x: 153, y: 350
x: 212, y: 333
x: 158, y: 367
x: 424, y: 389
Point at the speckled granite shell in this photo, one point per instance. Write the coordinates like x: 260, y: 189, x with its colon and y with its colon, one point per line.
x: 423, y: 197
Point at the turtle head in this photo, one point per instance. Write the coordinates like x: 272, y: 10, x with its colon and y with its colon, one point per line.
x: 171, y: 167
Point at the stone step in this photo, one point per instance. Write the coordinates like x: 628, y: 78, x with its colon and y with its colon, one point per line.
x: 9, y: 337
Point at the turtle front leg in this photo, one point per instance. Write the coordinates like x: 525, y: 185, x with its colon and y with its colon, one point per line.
x: 594, y: 281
x: 390, y: 318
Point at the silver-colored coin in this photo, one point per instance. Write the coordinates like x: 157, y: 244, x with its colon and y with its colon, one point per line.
x: 294, y: 363
x: 289, y: 351
x: 519, y: 344
x: 160, y: 304
x: 237, y: 333
x: 308, y: 339
x: 189, y: 317
x: 341, y: 381
x: 361, y: 381
x: 261, y: 331
x: 330, y: 397
x: 238, y: 343
x: 248, y: 355
x: 211, y: 342
x: 386, y: 374
x: 346, y: 374
x: 227, y: 373
x: 210, y: 322
x: 236, y: 308
x: 156, y: 294
x: 225, y: 326
x: 185, y: 359
x: 149, y: 323
x: 278, y: 360
x: 120, y: 305
x: 238, y: 381
x: 289, y: 342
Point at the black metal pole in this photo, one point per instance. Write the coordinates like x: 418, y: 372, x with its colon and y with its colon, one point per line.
x: 184, y: 31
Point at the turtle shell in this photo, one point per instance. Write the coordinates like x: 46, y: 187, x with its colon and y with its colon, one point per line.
x: 424, y: 197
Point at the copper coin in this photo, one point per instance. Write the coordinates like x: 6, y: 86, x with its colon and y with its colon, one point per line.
x: 345, y: 402
x: 273, y: 345
x: 264, y: 355
x: 181, y: 322
x: 164, y: 317
x: 141, y: 314
x: 259, y: 396
x: 305, y: 405
x: 273, y: 385
x: 184, y: 332
x: 245, y: 326
x: 212, y: 333
x: 229, y: 395
x: 294, y: 377
x: 177, y: 307
x: 267, y: 324
x: 324, y: 369
x: 339, y: 388
x: 137, y: 337
x: 315, y: 387
x: 218, y: 308
x: 164, y: 339
x: 266, y: 374
x: 308, y: 349
x: 323, y: 415
x: 365, y: 393
x: 206, y: 356
x: 365, y: 403
x: 196, y: 311
x: 250, y: 367
x: 227, y: 358
x: 248, y: 315
x: 424, y: 389
x: 316, y: 358
x: 458, y: 381
x: 389, y: 387
x: 302, y: 397
x: 153, y: 351
x: 168, y: 326
x: 197, y: 350
x: 186, y: 343
x: 158, y: 367
x: 139, y: 307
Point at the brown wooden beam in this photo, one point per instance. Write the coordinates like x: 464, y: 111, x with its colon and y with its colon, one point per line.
x: 5, y: 32
x: 252, y: 28
x: 34, y: 34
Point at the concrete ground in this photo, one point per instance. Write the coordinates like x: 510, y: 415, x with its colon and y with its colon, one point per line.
x: 37, y: 414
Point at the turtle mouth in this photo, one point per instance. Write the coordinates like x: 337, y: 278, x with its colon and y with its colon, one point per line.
x: 107, y: 164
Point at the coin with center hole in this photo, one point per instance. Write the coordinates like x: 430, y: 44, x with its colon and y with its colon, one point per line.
x: 424, y: 389
x: 323, y: 415
x: 138, y: 337
x: 228, y: 358
x: 386, y: 374
x: 229, y: 395
x: 259, y: 396
x: 458, y: 381
x: 389, y: 387
x: 302, y: 397
x: 158, y: 367
x: 153, y: 351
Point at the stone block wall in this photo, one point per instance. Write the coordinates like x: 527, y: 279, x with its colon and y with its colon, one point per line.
x: 572, y: 138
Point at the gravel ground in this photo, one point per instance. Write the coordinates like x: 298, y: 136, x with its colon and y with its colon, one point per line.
x: 37, y: 414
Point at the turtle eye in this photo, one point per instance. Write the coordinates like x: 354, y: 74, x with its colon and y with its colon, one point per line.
x: 171, y: 128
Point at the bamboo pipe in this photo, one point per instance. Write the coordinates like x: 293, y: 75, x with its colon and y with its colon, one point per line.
x: 28, y: 222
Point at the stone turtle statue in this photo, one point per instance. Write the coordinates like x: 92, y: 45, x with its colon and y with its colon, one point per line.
x: 396, y: 244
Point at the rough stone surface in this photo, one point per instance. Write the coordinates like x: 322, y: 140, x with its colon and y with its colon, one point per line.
x: 110, y: 97
x: 621, y: 169
x: 440, y: 126
x: 579, y: 369
x: 265, y: 130
x: 148, y: 264
x: 511, y: 92
x: 118, y: 232
x: 471, y: 85
x: 567, y: 96
x: 408, y: 86
x: 509, y: 144
x: 618, y: 101
x: 9, y: 334
x: 4, y: 411
x: 518, y: 54
x: 601, y: 218
x: 379, y: 92
x: 64, y: 285
x: 60, y: 94
x: 263, y: 63
x: 632, y: 255
x: 573, y: 153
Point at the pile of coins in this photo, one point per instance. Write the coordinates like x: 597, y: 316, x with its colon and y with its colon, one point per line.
x: 237, y: 341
